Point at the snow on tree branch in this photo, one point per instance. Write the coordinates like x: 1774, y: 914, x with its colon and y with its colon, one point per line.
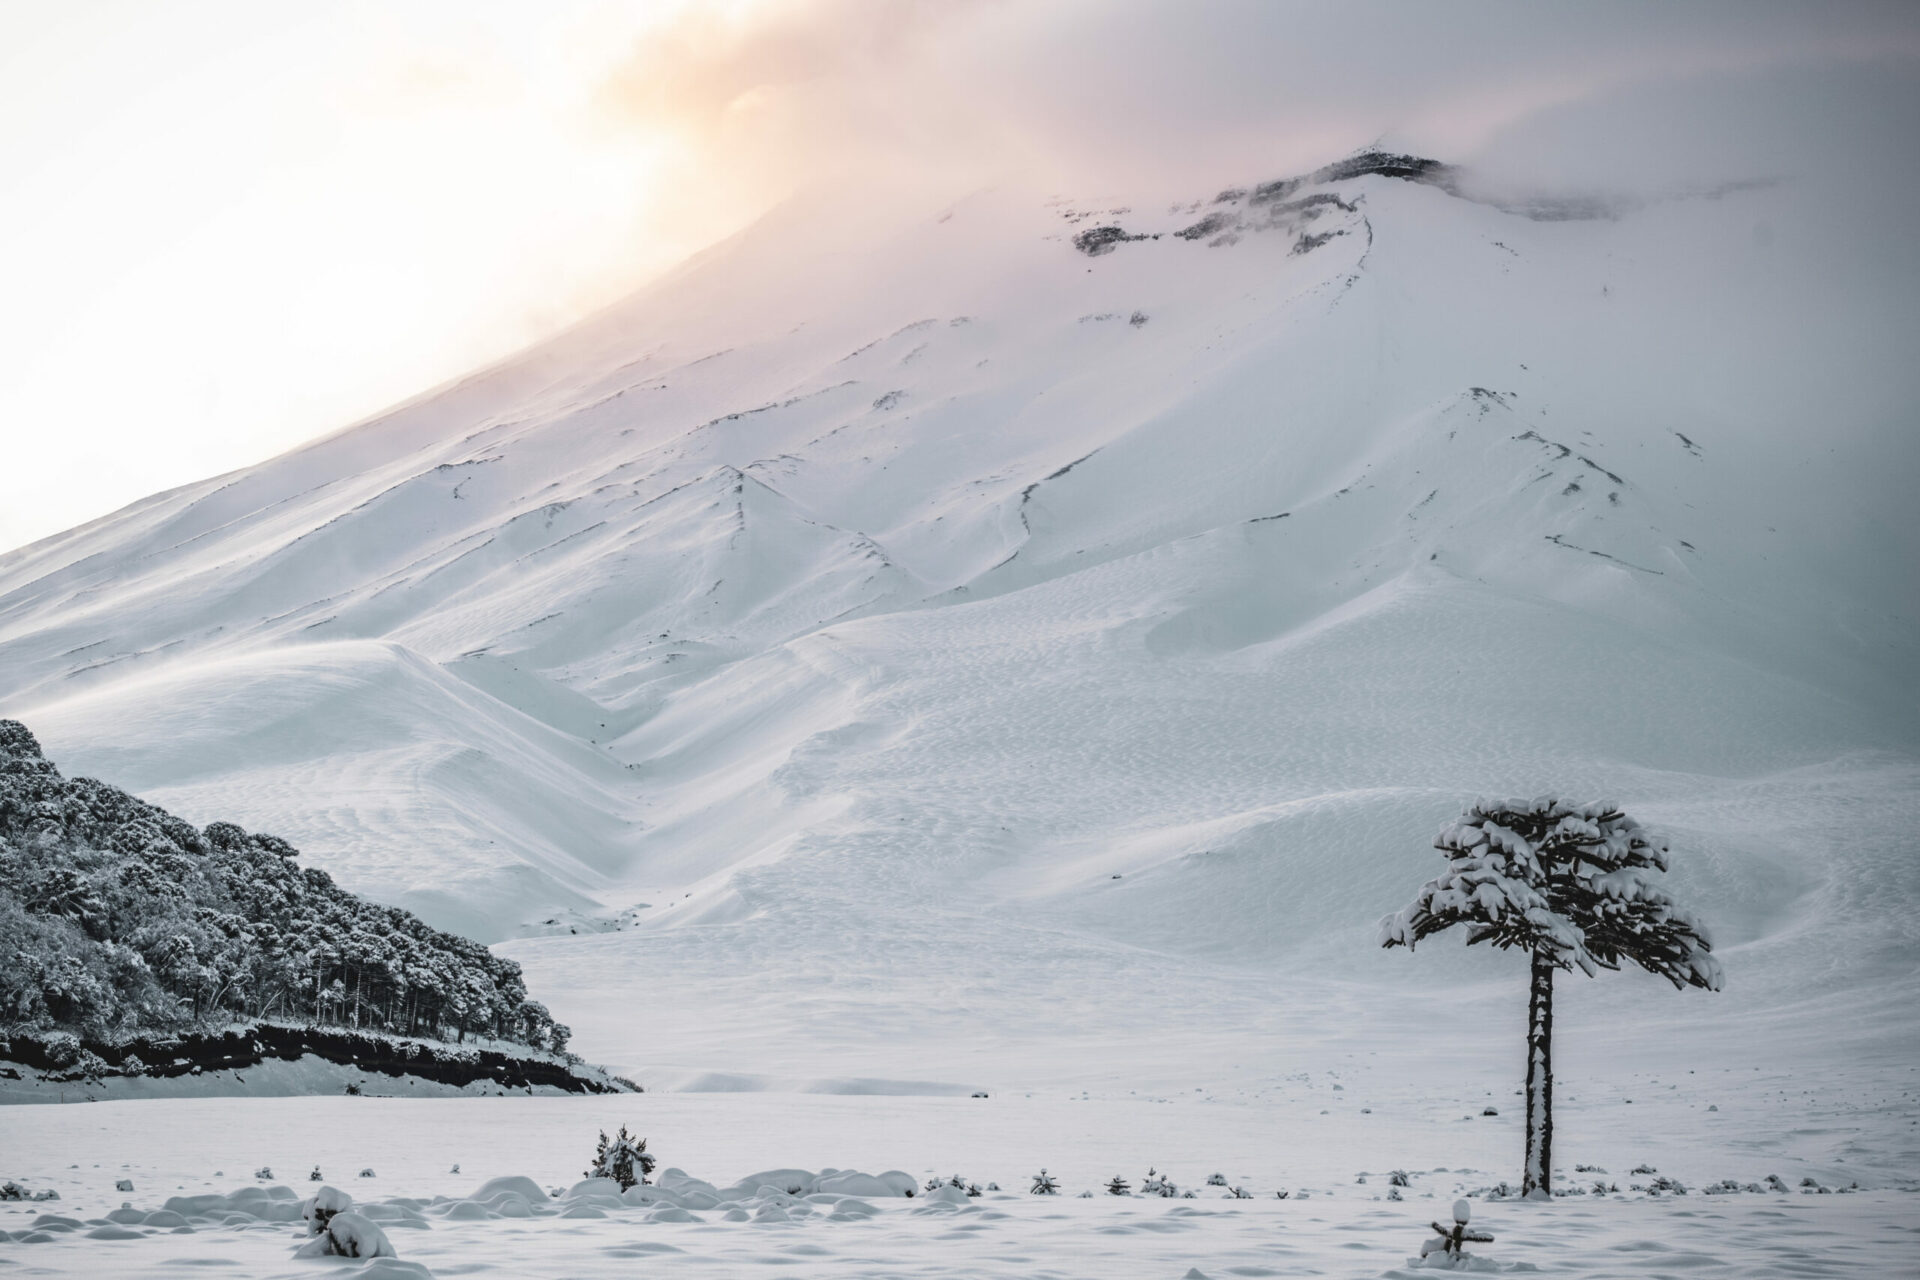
x: 1572, y: 881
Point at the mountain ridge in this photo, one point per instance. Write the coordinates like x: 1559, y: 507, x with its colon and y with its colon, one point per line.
x: 719, y: 600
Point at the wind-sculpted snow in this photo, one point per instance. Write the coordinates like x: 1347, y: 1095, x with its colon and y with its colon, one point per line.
x: 903, y: 648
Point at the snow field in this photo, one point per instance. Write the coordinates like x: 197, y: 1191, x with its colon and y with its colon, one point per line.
x: 486, y: 1220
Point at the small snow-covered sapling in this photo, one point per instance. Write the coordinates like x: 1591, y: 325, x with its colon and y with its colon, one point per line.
x: 623, y: 1158
x: 1453, y: 1238
x: 315, y: 1176
x: 1119, y: 1186
x: 1045, y: 1184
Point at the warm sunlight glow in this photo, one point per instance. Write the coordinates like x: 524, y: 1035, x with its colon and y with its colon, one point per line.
x: 236, y: 226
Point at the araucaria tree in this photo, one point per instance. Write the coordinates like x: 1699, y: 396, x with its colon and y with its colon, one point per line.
x: 1572, y: 884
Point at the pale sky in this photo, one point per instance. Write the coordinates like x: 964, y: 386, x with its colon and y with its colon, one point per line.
x: 227, y: 226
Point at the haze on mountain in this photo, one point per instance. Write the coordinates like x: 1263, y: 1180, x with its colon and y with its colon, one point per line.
x: 932, y: 634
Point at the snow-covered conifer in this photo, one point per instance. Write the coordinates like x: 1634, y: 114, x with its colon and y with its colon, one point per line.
x: 1572, y: 884
x: 1119, y: 1186
x: 1045, y: 1184
x: 623, y: 1158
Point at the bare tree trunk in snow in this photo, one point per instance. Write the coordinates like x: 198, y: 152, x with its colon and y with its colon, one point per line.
x: 1538, y: 1173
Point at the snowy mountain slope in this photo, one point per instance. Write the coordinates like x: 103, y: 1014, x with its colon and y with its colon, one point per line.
x: 869, y: 595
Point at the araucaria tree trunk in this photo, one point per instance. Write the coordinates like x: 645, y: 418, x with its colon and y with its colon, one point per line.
x: 1537, y: 1174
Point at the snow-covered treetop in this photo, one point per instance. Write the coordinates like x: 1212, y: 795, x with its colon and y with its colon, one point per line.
x: 1573, y: 881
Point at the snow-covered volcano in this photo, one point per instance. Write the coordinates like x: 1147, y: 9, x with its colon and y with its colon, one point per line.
x: 939, y: 641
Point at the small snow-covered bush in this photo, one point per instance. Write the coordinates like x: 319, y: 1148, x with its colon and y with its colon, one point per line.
x: 263, y: 1173
x: 132, y: 1066
x: 366, y: 1173
x: 124, y: 1184
x: 348, y: 1235
x: 321, y: 1206
x: 1241, y: 1193
x: 62, y: 1049
x: 1119, y: 1186
x: 623, y: 1158
x: 1158, y: 1184
x: 1045, y: 1184
x: 1217, y: 1180
x: 316, y: 1175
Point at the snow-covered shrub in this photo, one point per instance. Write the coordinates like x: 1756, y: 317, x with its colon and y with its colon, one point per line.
x: 366, y: 1173
x: 132, y: 1066
x: 622, y: 1158
x: 1158, y: 1184
x: 1045, y: 1184
x: 62, y: 1049
x: 315, y: 1176
x: 1216, y: 1179
x: 1571, y: 884
x: 321, y: 1206
x: 1241, y: 1193
x: 1398, y: 1178
x: 1119, y: 1186
x: 263, y: 1173
x: 348, y: 1235
x: 124, y: 1184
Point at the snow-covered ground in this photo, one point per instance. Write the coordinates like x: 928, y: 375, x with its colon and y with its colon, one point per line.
x: 902, y: 655
x: 1330, y: 1224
